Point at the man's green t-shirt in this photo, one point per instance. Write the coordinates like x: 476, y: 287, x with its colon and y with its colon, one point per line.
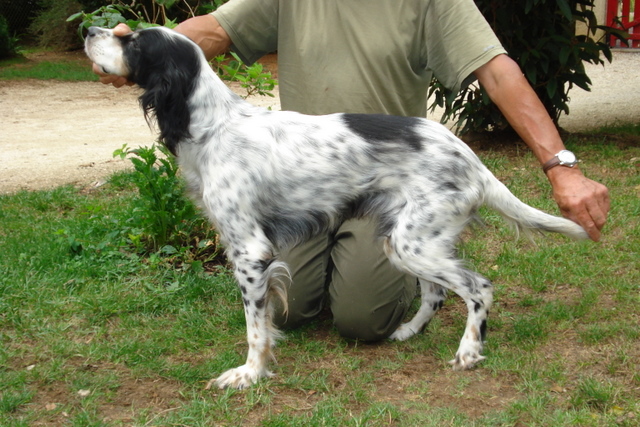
x: 361, y: 56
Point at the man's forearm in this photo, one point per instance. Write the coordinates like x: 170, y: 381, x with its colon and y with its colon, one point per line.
x: 511, y: 92
x: 207, y: 33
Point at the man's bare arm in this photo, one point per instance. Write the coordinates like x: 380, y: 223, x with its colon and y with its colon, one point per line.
x: 579, y: 198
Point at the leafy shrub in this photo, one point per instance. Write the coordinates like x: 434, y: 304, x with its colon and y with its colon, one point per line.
x: 51, y: 28
x: 8, y: 44
x: 163, y: 214
x: 540, y: 36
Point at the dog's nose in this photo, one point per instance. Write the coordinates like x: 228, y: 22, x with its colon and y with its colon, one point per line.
x: 93, y: 31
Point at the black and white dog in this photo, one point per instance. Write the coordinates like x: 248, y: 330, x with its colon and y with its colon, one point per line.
x: 269, y: 180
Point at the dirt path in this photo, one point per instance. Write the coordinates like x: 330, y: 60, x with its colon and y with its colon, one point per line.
x: 54, y: 133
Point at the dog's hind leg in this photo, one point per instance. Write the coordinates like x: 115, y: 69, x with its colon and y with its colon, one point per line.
x: 477, y: 293
x: 431, y: 300
x: 260, y: 278
x: 434, y: 261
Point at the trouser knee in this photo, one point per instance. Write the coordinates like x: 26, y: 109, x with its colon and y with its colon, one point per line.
x: 369, y: 325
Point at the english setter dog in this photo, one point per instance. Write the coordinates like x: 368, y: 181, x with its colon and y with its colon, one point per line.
x: 269, y: 180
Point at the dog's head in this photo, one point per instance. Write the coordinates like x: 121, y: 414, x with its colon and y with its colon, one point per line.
x: 163, y: 63
x: 144, y: 54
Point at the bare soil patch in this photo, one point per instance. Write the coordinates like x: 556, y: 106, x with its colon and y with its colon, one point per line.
x: 54, y: 133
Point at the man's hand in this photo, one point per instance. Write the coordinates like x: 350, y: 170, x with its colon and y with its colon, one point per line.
x: 580, y: 199
x: 116, y: 81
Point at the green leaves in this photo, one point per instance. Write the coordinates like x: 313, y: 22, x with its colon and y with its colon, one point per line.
x: 566, y: 10
x: 164, y: 215
x: 106, y: 16
x: 252, y: 78
x: 540, y: 35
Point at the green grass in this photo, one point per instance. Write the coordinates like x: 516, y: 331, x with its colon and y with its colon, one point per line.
x: 57, y: 69
x: 92, y: 334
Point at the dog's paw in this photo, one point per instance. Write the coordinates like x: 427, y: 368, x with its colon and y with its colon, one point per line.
x: 239, y: 378
x: 404, y: 332
x: 466, y: 361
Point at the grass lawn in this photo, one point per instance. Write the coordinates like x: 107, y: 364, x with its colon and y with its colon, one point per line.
x: 48, y: 65
x: 97, y: 333
x: 92, y: 334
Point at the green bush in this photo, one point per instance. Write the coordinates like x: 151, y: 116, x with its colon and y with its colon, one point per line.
x: 51, y: 28
x: 162, y: 216
x: 7, y: 42
x: 540, y: 35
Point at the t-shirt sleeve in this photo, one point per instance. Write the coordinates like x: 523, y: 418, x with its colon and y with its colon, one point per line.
x: 457, y: 41
x: 252, y: 26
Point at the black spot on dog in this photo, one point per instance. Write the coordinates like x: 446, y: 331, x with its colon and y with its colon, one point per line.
x: 477, y: 306
x: 264, y: 264
x: 286, y: 229
x: 449, y: 186
x: 483, y: 330
x: 386, y: 133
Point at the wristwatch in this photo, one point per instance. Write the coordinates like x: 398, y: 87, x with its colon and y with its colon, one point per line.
x: 563, y: 158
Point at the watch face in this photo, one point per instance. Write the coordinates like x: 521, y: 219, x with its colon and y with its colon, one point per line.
x: 566, y: 157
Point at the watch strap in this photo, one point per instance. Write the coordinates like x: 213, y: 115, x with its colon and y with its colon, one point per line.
x: 551, y: 164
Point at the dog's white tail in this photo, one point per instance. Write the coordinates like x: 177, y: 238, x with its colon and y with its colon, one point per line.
x: 524, y: 217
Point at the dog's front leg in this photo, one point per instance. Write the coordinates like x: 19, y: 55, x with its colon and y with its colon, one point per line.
x: 257, y: 282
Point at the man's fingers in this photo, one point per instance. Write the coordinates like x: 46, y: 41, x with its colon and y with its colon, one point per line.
x: 592, y: 230
x: 121, y: 30
x: 96, y: 69
x: 604, y: 206
x: 582, y: 217
x: 594, y: 214
x: 110, y: 79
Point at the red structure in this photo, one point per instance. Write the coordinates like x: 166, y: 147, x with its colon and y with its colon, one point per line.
x: 620, y: 14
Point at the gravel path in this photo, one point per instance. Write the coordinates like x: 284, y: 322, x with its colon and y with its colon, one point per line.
x: 54, y: 133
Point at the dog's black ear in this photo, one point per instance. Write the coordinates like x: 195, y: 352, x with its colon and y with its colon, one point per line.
x: 167, y: 69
